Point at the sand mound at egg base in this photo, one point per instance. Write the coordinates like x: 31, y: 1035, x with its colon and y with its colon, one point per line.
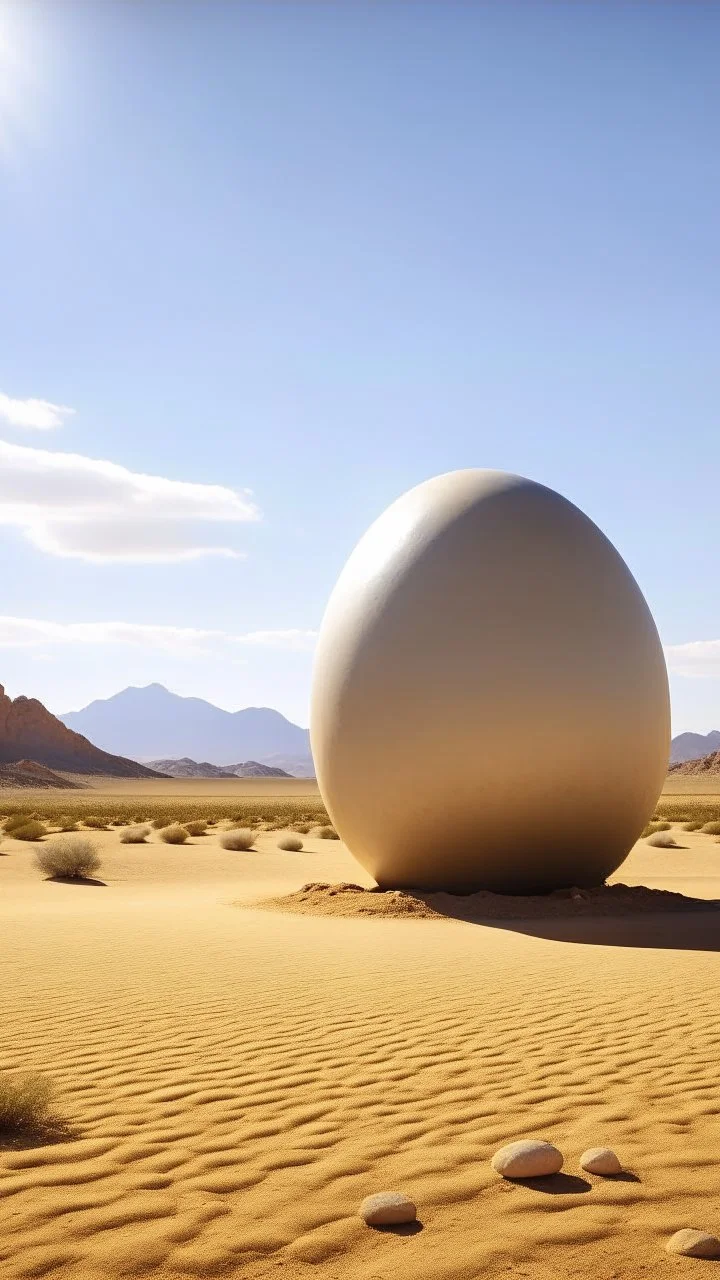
x: 351, y: 900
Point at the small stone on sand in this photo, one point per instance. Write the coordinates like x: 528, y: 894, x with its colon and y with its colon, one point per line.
x: 387, y: 1208
x: 694, y: 1244
x: 527, y: 1159
x: 600, y: 1160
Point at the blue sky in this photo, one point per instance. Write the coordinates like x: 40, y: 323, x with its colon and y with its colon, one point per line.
x: 283, y: 261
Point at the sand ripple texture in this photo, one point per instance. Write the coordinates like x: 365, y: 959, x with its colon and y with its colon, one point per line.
x: 240, y: 1080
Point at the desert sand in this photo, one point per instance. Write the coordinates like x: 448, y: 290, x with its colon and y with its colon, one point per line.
x: 238, y: 1080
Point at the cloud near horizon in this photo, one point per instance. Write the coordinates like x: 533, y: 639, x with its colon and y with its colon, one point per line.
x: 32, y: 414
x: 69, y: 505
x: 697, y: 659
x: 23, y: 633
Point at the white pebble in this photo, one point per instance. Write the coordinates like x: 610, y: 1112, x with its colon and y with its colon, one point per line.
x: 694, y: 1244
x: 527, y: 1159
x: 387, y: 1208
x: 600, y: 1160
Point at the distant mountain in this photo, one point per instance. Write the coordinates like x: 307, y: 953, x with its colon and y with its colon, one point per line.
x: 154, y: 724
x: 706, y: 764
x: 692, y: 746
x: 28, y: 773
x: 29, y: 732
x: 186, y: 768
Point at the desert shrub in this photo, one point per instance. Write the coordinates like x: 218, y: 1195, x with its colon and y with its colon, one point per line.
x: 652, y: 827
x: 291, y: 844
x: 31, y: 830
x: 196, y: 827
x: 329, y: 833
x: 174, y: 834
x: 711, y: 828
x: 66, y: 823
x: 71, y: 857
x: 692, y: 826
x: 16, y: 820
x: 159, y: 822
x: 301, y: 827
x: 24, y: 1102
x: 134, y: 835
x: 96, y: 823
x: 662, y: 840
x: 240, y: 838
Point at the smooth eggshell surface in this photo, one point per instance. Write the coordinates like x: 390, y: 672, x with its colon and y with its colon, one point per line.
x: 490, y: 702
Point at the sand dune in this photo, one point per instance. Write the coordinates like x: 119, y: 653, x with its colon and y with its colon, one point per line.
x: 239, y: 1080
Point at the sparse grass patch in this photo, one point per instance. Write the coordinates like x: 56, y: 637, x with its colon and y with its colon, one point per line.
x: 240, y: 838
x: 291, y: 844
x: 134, y: 835
x: 31, y: 830
x: 174, y: 834
x: 69, y: 857
x: 163, y: 810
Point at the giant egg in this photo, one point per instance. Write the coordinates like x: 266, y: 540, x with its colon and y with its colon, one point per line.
x: 490, y: 702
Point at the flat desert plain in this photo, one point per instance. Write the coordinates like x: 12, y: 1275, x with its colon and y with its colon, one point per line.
x: 236, y: 1080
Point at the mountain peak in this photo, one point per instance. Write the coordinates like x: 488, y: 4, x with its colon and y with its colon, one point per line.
x: 152, y: 723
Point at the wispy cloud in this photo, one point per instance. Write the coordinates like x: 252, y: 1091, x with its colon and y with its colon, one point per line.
x: 698, y: 658
x: 24, y: 633
x: 35, y: 415
x: 85, y: 508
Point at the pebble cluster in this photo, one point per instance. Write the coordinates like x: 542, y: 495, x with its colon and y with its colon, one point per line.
x: 531, y: 1158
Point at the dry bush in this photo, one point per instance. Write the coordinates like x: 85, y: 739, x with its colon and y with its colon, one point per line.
x: 95, y: 823
x: 692, y: 826
x: 711, y: 828
x: 25, y: 1098
x: 240, y: 838
x: 301, y: 827
x: 66, y: 823
x: 174, y: 834
x: 662, y: 840
x: 134, y: 835
x: 16, y: 820
x: 196, y: 827
x: 652, y: 827
x: 159, y: 822
x: 291, y: 844
x: 32, y: 830
x: 329, y: 833
x: 70, y: 857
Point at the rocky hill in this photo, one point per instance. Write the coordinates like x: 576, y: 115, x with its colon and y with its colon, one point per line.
x: 706, y: 764
x: 28, y: 773
x: 29, y: 732
x: 186, y: 768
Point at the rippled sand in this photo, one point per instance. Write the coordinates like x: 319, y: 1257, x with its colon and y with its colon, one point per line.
x: 240, y: 1079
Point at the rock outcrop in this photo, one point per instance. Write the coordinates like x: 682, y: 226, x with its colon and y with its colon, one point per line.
x: 706, y: 764
x: 28, y: 731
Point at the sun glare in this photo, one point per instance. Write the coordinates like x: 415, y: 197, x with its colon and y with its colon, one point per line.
x: 20, y: 78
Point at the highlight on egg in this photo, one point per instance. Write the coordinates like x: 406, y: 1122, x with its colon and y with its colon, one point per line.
x: 490, y: 703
